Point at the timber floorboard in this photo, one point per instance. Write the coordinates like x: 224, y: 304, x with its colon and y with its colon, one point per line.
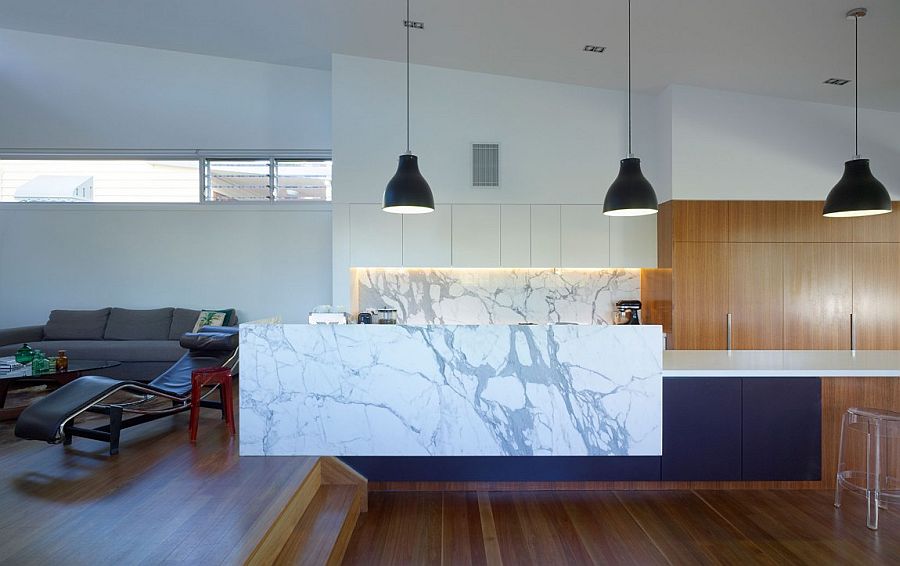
x: 160, y: 501
x: 621, y: 527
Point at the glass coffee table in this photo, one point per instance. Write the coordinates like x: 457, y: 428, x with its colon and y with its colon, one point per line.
x: 23, y: 377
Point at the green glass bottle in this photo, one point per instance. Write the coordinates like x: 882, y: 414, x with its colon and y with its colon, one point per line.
x: 25, y: 354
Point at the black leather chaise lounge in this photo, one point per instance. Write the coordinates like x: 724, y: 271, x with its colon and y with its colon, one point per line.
x: 52, y: 419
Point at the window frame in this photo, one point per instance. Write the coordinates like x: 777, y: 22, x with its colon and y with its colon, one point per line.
x: 201, y: 157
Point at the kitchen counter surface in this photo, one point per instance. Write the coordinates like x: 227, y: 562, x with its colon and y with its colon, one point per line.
x: 781, y: 363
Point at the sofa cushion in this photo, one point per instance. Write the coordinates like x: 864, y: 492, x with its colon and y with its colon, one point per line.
x: 76, y: 325
x: 114, y: 350
x: 183, y: 321
x: 128, y: 324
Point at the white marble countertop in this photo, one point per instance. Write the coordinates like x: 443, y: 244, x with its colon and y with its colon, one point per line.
x: 781, y: 363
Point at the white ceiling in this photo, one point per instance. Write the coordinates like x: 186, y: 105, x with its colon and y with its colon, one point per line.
x: 774, y: 47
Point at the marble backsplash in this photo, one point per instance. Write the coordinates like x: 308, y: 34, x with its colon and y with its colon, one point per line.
x: 497, y: 296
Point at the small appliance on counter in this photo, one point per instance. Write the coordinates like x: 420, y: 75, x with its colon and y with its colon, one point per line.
x: 327, y: 314
x: 387, y: 315
x: 365, y: 317
x: 628, y: 312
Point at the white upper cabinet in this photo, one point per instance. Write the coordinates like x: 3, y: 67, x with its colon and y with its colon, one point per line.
x: 376, y: 237
x: 584, y: 236
x: 515, y: 235
x: 545, y: 235
x: 476, y: 235
x: 632, y: 241
x: 426, y: 238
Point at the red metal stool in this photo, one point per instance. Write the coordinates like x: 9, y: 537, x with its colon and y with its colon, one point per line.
x: 211, y: 376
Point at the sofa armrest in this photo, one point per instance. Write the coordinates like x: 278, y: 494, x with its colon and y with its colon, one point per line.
x: 21, y: 335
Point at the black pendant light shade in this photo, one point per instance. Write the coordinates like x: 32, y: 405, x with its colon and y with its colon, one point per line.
x: 631, y: 193
x: 858, y: 193
x: 408, y: 192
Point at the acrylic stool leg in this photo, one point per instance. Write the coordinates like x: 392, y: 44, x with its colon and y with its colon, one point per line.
x: 873, y: 479
x: 840, y: 462
x: 195, y: 408
x: 228, y: 401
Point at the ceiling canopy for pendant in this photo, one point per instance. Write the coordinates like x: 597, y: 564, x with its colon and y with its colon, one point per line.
x: 858, y: 193
x: 408, y: 192
x: 631, y: 194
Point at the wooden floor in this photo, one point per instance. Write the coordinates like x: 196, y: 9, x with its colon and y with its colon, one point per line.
x: 620, y: 527
x: 161, y: 501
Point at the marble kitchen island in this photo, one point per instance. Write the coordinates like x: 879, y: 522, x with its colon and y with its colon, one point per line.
x: 469, y: 393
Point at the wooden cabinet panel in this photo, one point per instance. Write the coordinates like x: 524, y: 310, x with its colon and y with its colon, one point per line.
x: 545, y: 233
x: 880, y: 228
x: 756, y: 295
x: 817, y: 296
x: 515, y: 235
x: 876, y: 296
x: 476, y: 235
x: 781, y: 429
x: 755, y: 221
x: 700, y: 220
x: 426, y: 238
x: 702, y: 429
x: 803, y: 222
x: 376, y: 237
x: 700, y: 295
x: 632, y: 241
x: 584, y: 236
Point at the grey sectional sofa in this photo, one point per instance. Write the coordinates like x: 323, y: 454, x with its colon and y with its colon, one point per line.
x: 145, y: 341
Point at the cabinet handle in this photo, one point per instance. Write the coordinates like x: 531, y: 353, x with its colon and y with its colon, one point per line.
x: 728, y: 330
x: 852, y: 331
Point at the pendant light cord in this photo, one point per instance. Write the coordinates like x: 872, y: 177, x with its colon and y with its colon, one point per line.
x: 408, y: 23
x: 629, y: 79
x: 856, y: 88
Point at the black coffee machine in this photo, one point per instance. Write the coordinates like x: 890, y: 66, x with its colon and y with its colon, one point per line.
x: 628, y: 312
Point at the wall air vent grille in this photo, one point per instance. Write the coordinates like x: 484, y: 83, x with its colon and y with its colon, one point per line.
x: 838, y: 82
x: 485, y: 165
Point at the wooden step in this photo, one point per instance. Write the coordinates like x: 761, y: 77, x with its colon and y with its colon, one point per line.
x: 322, y: 535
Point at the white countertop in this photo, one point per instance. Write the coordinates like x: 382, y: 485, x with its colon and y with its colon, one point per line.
x: 781, y: 363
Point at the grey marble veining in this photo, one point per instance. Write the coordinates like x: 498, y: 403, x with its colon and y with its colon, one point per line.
x: 497, y: 296
x: 360, y: 390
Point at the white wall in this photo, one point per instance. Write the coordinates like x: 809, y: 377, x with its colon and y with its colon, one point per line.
x: 262, y: 260
x: 59, y: 92
x: 559, y: 143
x: 728, y: 145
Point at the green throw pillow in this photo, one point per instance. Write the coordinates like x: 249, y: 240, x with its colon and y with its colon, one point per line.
x: 211, y: 318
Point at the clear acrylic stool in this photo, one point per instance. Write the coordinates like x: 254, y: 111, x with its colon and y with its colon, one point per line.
x: 877, y: 478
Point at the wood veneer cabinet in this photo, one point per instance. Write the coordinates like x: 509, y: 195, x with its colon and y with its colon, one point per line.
x: 755, y: 295
x: 700, y: 296
x: 818, y: 296
x: 880, y: 228
x: 700, y: 220
x: 756, y: 221
x: 876, y: 295
x: 803, y: 222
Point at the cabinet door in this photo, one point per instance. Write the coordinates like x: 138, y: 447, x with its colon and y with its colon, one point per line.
x: 515, y: 235
x: 700, y: 220
x: 817, y: 296
x: 782, y: 429
x: 756, y: 296
x: 426, y: 238
x: 376, y: 237
x: 545, y: 234
x: 876, y: 296
x: 700, y: 296
x: 476, y: 235
x: 880, y: 228
x: 803, y: 222
x: 632, y: 241
x: 756, y: 221
x: 584, y: 236
x: 701, y: 429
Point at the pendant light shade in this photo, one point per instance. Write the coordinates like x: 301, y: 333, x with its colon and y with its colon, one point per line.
x: 408, y: 192
x: 858, y: 193
x: 631, y: 193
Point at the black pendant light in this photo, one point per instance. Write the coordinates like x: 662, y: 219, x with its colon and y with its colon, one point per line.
x: 408, y: 192
x: 858, y: 193
x: 631, y: 193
